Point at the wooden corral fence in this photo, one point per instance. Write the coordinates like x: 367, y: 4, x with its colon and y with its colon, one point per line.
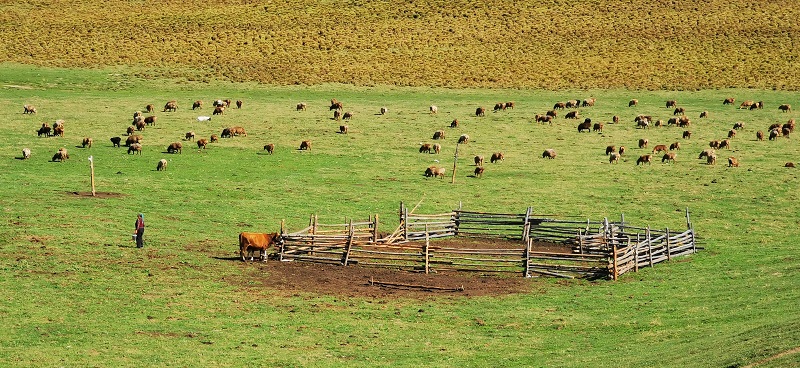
x: 587, y: 249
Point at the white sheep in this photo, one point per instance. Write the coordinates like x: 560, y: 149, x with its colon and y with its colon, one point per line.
x: 203, y: 118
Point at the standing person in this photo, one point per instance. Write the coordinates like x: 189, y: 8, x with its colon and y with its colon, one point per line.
x: 140, y: 231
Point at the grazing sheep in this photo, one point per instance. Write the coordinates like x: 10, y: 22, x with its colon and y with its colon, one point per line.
x: 162, y: 165
x: 672, y: 103
x: 454, y: 123
x: 675, y: 146
x: 549, y: 153
x: 343, y: 129
x: 218, y: 103
x: 171, y: 106
x: 301, y: 106
x: 115, y: 141
x: 478, y: 160
x: 189, y: 135
x: 643, y: 121
x: 703, y: 114
x: 61, y: 155
x: 610, y: 149
x: 759, y: 135
x: 660, y: 148
x: 786, y: 131
x: 202, y: 143
x: 746, y: 104
x: 269, y: 148
x: 571, y: 104
x: 613, y: 158
x: 733, y: 162
x: 150, y: 108
x: 239, y: 104
x: 425, y: 148
x: 684, y: 122
x: 643, y: 143
x: 478, y: 173
x: 175, y: 147
x: 481, y: 111
x: 384, y: 110
x: 731, y: 133
x: 659, y: 123
x: 438, y: 134
x: 197, y: 105
x: 497, y: 156
x: 672, y: 121
x: 227, y: 102
x: 86, y: 142
x: 633, y: 102
x: 347, y: 116
x: 437, y: 148
x: 589, y: 102
x: 26, y: 153
x: 58, y: 131
x: 499, y: 106
x: 135, y: 148
x: 668, y: 157
x: 544, y: 119
x: 789, y: 164
x: 433, y: 109
x: 789, y: 125
x: 305, y: 145
x: 464, y: 138
x: 644, y: 159
x: 335, y: 105
x: 29, y: 109
x: 729, y: 101
x: 140, y: 125
x: 687, y: 134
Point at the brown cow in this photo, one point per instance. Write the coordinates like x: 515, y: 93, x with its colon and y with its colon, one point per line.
x: 151, y: 120
x: 61, y: 155
x: 86, y: 142
x: 133, y: 139
x: 684, y: 122
x: 434, y: 171
x: 214, y: 138
x: 481, y: 111
x: 660, y: 148
x: 197, y: 105
x: 725, y: 143
x: 668, y: 157
x: 644, y: 159
x: 343, y: 129
x: 789, y: 164
x: 672, y: 103
x: 759, y: 135
x: 140, y: 125
x: 586, y: 125
x: 544, y: 119
x: 672, y: 121
x: 714, y: 144
x: 549, y: 153
x: 643, y: 142
x: 305, y: 145
x: 703, y: 114
x: 219, y: 110
x: 301, y: 106
x: 738, y: 125
x: 251, y: 242
x: 269, y: 148
x: 633, y: 102
x: 497, y: 156
x: 115, y: 141
x: 675, y: 146
x: 785, y: 107
x: 425, y: 148
x: 171, y: 106
x: 552, y: 113
x: 559, y: 106
x: 29, y: 109
x: 150, y: 108
x: 347, y: 116
x: 729, y: 101
x: 202, y: 143
x: 613, y: 158
x: 732, y: 133
x: 136, y: 148
x: 162, y: 165
x: 175, y: 147
x: 130, y: 130
x: 733, y: 162
x: 621, y: 150
x: 679, y: 111
x: 597, y: 127
x: 687, y: 134
x: 237, y: 130
x: 571, y: 115
x: 464, y: 138
x: 746, y: 104
x: 239, y: 104
x: 439, y: 134
x: 611, y: 149
x: 478, y: 160
x: 478, y: 172
x: 189, y: 136
x: 454, y: 123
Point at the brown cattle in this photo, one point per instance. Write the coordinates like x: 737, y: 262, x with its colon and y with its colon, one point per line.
x: 343, y: 129
x: 86, y: 142
x: 347, y: 116
x: 672, y: 103
x: 729, y: 101
x: 544, y: 119
x: 589, y: 102
x: 133, y: 139
x: 621, y: 150
x: 633, y: 102
x: 237, y: 130
x: 151, y: 120
x: 251, y: 242
x: 130, y: 130
x: 552, y: 113
x: 679, y: 111
x: 305, y: 145
x: 44, y: 130
x: 613, y: 158
x: 746, y: 104
x: 706, y: 152
x: 711, y: 159
x: 115, y: 141
x: 571, y: 115
x: 660, y: 148
x: 478, y: 172
x: 197, y: 105
x: 454, y: 123
x: 615, y: 119
x: 61, y: 155
x: 497, y: 156
x: 725, y: 143
x: 463, y: 139
x: 270, y: 148
x: 335, y: 105
x: 675, y: 146
x: 684, y: 122
x: 738, y: 125
x: 789, y: 164
x: 733, y: 162
x: 202, y: 143
x: 643, y: 143
x: 703, y: 114
x: 28, y: 109
x: 611, y: 149
x: 759, y: 135
x: 559, y: 105
x: 189, y: 136
x: 668, y: 157
x: 434, y: 171
x: 731, y: 133
x: 175, y: 147
x: 219, y: 110
x: 439, y: 134
x: 672, y: 121
x: 301, y: 106
x: 481, y: 111
x: 478, y: 160
x: 437, y: 148
x: 150, y: 108
x: 239, y: 104
x: 337, y: 114
x: 136, y: 148
x: 714, y: 144
x: 140, y: 125
x: 549, y: 153
x: 586, y: 125
x: 433, y: 109
x: 425, y: 148
x: 687, y: 134
x: 214, y: 138
x: 171, y: 106
x: 162, y: 165
x: 785, y: 107
x: 597, y: 127
x: 644, y: 159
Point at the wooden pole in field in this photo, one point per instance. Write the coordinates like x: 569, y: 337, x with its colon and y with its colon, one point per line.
x: 91, y: 169
x: 455, y: 163
x: 427, y: 250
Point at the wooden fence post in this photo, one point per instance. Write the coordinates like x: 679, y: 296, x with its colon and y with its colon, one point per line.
x: 455, y: 163
x: 527, y: 258
x: 526, y: 224
x: 91, y: 174
x: 580, y: 242
x: 669, y: 251
x: 635, y: 254
x: 649, y: 245
x: 346, y: 255
x: 375, y: 230
x: 405, y: 224
x: 622, y: 223
x: 427, y: 250
x: 614, y: 273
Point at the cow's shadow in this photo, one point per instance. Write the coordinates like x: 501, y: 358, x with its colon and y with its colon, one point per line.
x: 239, y: 259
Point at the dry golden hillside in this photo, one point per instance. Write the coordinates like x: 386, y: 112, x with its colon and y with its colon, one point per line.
x: 552, y: 44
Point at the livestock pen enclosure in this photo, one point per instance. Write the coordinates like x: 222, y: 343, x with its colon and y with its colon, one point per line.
x: 76, y: 292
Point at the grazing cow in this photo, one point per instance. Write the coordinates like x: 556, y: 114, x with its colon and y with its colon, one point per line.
x: 759, y: 105
x: 679, y: 111
x: 478, y: 160
x: 711, y: 159
x: 659, y: 123
x: 759, y: 135
x: 464, y: 138
x: 586, y: 125
x: 643, y: 142
x: 214, y: 138
x: 425, y: 148
x: 499, y: 106
x: 621, y: 150
x: 589, y: 102
x: 775, y: 126
x: 218, y: 103
x: 703, y: 114
x: 202, y: 143
x: 510, y: 105
x: 729, y: 101
x: 714, y: 144
x: 140, y: 125
x: 305, y: 145
x: 773, y: 134
x: 150, y: 108
x: 44, y: 130
x: 384, y: 110
x: 572, y: 104
x: 252, y: 242
x: 478, y: 173
x: 29, y: 109
x: 738, y: 125
x: 481, y: 111
x: 219, y: 110
x: 660, y: 148
x: 61, y: 155
x: 343, y: 129
x: 226, y: 133
x: 58, y: 130
x: 675, y: 146
x: 130, y: 130
x: 26, y: 153
x: 497, y: 156
x: 171, y: 106
x: 189, y: 136
x: 347, y: 116
x: 552, y: 113
x: 434, y: 172
x: 549, y: 153
x: 151, y: 120
x: 197, y: 105
x: 237, y: 131
x: 175, y: 147
x: 559, y: 106
x: 544, y: 119
x: 746, y: 104
x: 733, y: 162
x: 672, y: 121
x: 269, y: 148
x: 672, y: 103
x: 454, y: 123
x: 611, y: 149
x: 439, y: 134
x: 789, y: 164
x: 86, y: 142
x: 433, y: 109
x: 731, y: 133
x: 615, y: 119
x: 684, y: 122
x: 597, y: 127
x: 633, y: 102
x: 790, y: 125
x: 162, y: 165
x: 668, y: 157
x: 785, y: 131
x: 227, y: 102
x: 437, y: 148
x: 115, y: 141
x: 337, y: 114
x: 644, y: 159
x: 239, y: 104
x: 571, y: 115
x: 613, y: 158
x: 135, y: 148
x: 335, y: 105
x: 725, y: 143
x: 133, y: 139
x: 687, y: 134
x: 301, y: 106
x: 706, y: 152
x: 642, y: 121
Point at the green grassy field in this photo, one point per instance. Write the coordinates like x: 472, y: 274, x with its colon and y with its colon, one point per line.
x: 76, y: 292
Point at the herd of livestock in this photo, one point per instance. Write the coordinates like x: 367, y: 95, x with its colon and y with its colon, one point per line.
x: 133, y: 140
